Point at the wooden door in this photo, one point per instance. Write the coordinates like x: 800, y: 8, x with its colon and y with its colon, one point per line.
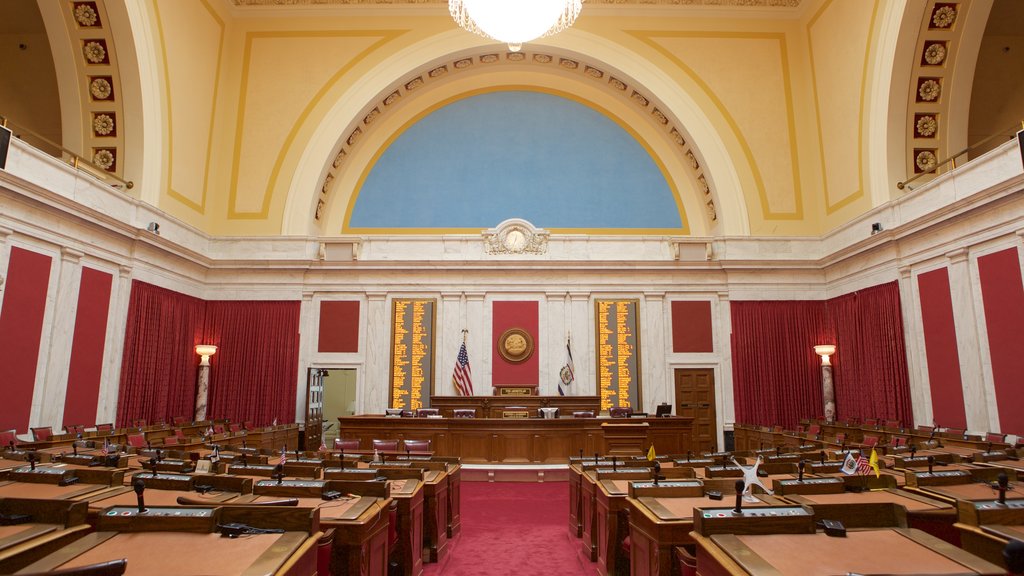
x: 314, y: 408
x: 695, y: 398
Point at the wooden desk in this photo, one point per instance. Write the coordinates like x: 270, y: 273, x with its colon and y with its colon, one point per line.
x: 408, y: 492
x: 481, y: 440
x: 494, y: 406
x: 612, y: 526
x: 54, y: 523
x: 885, y: 551
x: 986, y: 526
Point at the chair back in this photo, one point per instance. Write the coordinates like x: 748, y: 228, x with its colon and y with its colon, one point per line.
x: 464, y: 413
x: 42, y: 433
x: 139, y: 423
x: 235, y: 428
x: 385, y: 445
x: 7, y: 437
x: 871, y: 421
x: 104, y: 427
x: 417, y: 445
x: 179, y: 420
x: 179, y: 433
x: 170, y: 441
x: 620, y: 411
x: 841, y: 437
x: 893, y: 424
x: 813, y: 430
x: 218, y: 428
x: 75, y: 429
x: 137, y: 440
x: 583, y: 414
x: 424, y: 412
x: 346, y: 444
x: 870, y: 441
x: 995, y: 437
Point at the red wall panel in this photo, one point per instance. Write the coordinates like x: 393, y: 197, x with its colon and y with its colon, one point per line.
x: 87, y: 347
x: 940, y: 349
x: 522, y: 315
x: 691, y: 326
x: 1003, y: 297
x: 21, y: 328
x: 339, y: 327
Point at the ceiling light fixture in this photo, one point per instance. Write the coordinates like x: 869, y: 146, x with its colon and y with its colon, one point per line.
x: 515, y: 21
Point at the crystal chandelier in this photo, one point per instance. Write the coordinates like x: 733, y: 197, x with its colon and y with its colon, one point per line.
x: 515, y: 21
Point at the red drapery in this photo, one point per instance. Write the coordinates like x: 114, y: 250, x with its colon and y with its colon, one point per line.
x: 254, y: 374
x: 776, y: 375
x: 871, y: 360
x: 158, y: 370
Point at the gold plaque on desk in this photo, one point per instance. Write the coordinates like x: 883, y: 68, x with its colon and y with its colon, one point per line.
x: 515, y: 345
x: 516, y: 390
x: 518, y: 413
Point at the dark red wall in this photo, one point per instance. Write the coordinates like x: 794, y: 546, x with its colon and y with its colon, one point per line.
x: 522, y: 315
x: 940, y: 349
x: 1003, y: 297
x: 21, y: 329
x: 86, y: 368
x: 691, y: 326
x: 339, y: 327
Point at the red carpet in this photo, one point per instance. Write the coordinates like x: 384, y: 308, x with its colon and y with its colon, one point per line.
x: 514, y: 529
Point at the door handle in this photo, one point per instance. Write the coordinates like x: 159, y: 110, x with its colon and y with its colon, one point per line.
x: 703, y: 405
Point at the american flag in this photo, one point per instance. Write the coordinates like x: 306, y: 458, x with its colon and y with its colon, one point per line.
x: 462, y: 377
x: 284, y: 455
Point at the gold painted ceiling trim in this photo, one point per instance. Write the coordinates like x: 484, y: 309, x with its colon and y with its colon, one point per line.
x: 715, y: 3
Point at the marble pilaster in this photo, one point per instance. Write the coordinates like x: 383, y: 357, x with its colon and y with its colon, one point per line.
x: 450, y: 339
x: 652, y: 352
x: 309, y: 315
x: 581, y: 328
x: 113, y: 350
x: 554, y: 310
x: 478, y: 343
x: 913, y: 336
x: 966, y: 307
x: 52, y: 381
x: 373, y: 398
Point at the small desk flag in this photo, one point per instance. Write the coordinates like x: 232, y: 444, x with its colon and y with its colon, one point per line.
x: 650, y: 453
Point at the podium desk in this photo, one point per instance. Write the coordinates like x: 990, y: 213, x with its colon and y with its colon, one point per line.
x: 986, y: 526
x: 435, y: 515
x: 612, y: 525
x: 1014, y: 466
x: 408, y: 493
x: 52, y: 524
x: 658, y: 524
x: 157, y: 542
x: 929, y: 515
x: 880, y: 551
x: 974, y: 491
x: 40, y: 491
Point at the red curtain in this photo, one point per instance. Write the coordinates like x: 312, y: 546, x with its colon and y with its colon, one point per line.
x: 158, y: 369
x: 776, y: 374
x: 870, y: 364
x: 254, y: 374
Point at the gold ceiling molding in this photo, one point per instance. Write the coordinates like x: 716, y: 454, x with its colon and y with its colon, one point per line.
x: 606, y: 79
x: 716, y: 3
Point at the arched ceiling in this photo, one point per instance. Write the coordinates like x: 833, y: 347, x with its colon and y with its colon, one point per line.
x: 799, y: 115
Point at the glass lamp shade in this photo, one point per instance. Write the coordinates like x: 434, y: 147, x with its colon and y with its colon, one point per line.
x: 205, y: 351
x: 514, y: 21
x: 825, y: 351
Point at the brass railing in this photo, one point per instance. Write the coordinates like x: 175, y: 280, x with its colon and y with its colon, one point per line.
x: 78, y: 162
x: 952, y: 159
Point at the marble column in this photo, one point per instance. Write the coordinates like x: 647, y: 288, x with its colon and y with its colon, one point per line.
x: 113, y: 350
x: 202, y: 390
x: 555, y: 347
x: 581, y: 327
x: 828, y: 392
x: 52, y: 383
x: 966, y: 309
x: 451, y: 327
x: 309, y: 315
x: 653, y: 345
x: 913, y: 336
x: 378, y: 335
x: 478, y: 344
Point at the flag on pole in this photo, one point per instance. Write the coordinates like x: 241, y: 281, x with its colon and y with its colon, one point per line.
x: 849, y: 465
x: 462, y: 377
x: 873, y: 463
x: 650, y: 453
x: 567, y: 375
x: 284, y: 456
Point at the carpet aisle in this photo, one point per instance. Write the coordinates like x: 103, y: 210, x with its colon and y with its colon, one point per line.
x: 514, y: 529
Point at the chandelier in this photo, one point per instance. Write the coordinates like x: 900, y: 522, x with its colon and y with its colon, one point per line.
x: 515, y: 21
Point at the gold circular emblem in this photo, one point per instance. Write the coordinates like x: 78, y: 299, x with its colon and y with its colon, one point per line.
x: 515, y: 345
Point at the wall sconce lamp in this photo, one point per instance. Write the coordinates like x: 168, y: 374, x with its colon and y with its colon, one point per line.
x: 825, y: 351
x: 205, y: 350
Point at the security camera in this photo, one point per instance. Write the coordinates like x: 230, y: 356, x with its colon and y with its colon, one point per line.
x: 876, y: 228
x: 154, y: 228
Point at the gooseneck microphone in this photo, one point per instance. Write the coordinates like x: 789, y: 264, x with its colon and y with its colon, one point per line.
x: 739, y: 497
x: 800, y: 471
x: 152, y: 466
x: 140, y: 487
x: 931, y: 463
x: 1003, y: 482
x: 657, y: 472
x: 32, y: 460
x: 279, y: 474
x: 822, y: 454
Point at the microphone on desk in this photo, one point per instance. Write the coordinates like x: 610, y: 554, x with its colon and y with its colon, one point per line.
x: 341, y: 455
x: 152, y: 466
x: 32, y: 460
x: 989, y: 448
x: 615, y: 467
x: 913, y: 450
x: 149, y: 446
x: 74, y: 448
x: 739, y: 497
x: 1003, y: 482
x: 279, y: 474
x: 689, y: 455
x: 931, y: 463
x: 1013, y: 556
x: 159, y: 455
x: 657, y: 472
x: 595, y: 458
x: 245, y: 460
x: 581, y: 454
x: 778, y: 450
x: 800, y: 471
x: 822, y: 454
x: 140, y: 487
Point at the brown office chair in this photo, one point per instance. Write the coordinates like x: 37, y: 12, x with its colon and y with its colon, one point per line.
x: 583, y: 414
x: 424, y: 412
x: 417, y: 445
x: 620, y: 411
x: 385, y: 445
x: 345, y: 444
x: 464, y: 413
x: 42, y: 433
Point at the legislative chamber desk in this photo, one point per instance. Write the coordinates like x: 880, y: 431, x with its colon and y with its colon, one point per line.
x: 515, y: 440
x: 883, y: 551
x: 185, y: 542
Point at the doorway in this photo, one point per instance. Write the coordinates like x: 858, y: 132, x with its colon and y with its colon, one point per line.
x: 339, y: 399
x: 695, y: 398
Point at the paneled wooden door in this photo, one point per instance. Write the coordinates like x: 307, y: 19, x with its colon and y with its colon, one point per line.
x: 314, y: 408
x: 695, y: 398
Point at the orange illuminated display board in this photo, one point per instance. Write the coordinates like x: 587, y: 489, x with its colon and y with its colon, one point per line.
x: 412, y: 353
x: 618, y: 353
